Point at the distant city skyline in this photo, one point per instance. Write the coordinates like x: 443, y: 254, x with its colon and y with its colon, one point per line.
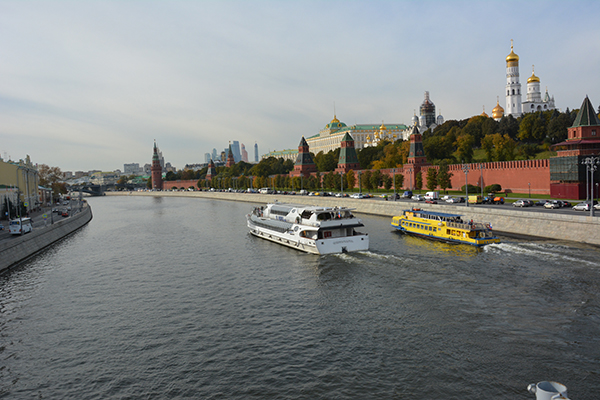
x: 89, y: 85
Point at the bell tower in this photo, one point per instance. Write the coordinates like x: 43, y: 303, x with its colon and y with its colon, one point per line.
x: 513, y: 86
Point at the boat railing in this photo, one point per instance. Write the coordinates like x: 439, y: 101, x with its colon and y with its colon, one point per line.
x: 478, y: 226
x: 458, y: 225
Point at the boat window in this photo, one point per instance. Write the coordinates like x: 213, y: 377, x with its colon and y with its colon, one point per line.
x: 306, y: 214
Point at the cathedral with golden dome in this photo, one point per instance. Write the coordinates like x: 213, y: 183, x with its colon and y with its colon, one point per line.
x: 534, y: 101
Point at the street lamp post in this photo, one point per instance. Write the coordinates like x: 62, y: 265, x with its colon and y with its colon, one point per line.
x: 465, y: 168
x: 342, y: 182
x: 394, y: 181
x: 481, y: 168
x: 359, y: 185
x: 591, y: 164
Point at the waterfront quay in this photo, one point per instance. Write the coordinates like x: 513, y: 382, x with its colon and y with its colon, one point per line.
x: 577, y: 228
x: 15, y: 249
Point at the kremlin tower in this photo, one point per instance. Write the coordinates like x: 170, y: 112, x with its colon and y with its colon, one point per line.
x: 156, y: 170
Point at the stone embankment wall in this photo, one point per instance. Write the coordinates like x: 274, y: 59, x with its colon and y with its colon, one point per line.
x: 578, y: 228
x: 14, y: 250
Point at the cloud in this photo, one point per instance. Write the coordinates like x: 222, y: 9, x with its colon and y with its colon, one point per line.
x: 90, y: 85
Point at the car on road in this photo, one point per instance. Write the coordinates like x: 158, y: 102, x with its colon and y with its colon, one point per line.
x: 418, y: 197
x: 582, y: 207
x: 407, y: 194
x: 552, y: 204
x: 520, y: 203
x: 540, y: 203
x: 357, y: 196
x: 431, y: 201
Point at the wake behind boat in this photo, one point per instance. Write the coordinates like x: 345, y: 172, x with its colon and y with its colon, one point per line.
x: 318, y: 230
x: 444, y: 226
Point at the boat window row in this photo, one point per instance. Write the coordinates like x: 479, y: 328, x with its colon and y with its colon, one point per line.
x: 419, y: 226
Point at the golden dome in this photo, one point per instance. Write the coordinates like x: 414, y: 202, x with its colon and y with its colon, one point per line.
x: 382, y: 127
x: 512, y: 56
x: 334, y: 120
x: 483, y: 114
x: 497, y: 112
x: 533, y: 78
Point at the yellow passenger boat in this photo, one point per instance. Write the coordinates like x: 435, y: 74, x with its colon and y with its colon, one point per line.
x: 445, y: 227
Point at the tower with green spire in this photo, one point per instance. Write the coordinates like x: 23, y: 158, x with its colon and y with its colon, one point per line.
x: 568, y: 173
x: 348, y: 159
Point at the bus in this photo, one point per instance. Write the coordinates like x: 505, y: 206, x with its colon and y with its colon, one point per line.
x: 20, y: 226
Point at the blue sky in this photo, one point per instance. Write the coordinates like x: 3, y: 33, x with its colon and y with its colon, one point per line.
x: 90, y: 84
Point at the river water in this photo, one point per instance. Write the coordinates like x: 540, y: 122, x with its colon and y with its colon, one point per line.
x: 171, y: 298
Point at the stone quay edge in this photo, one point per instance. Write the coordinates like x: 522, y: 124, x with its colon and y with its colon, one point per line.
x: 15, y: 250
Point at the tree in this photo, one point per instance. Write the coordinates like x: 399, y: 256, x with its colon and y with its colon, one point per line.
x: 350, y: 179
x: 487, y: 143
x: 387, y: 181
x: 376, y: 179
x: 419, y: 181
x: 444, y: 176
x: 399, y: 181
x: 366, y: 180
x: 464, y: 144
x: 431, y: 178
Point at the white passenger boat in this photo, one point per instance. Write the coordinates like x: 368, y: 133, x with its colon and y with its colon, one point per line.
x: 318, y: 230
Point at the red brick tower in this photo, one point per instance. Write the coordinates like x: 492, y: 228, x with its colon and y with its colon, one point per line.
x: 230, y: 160
x: 157, y: 182
x: 348, y: 159
x: 304, y: 163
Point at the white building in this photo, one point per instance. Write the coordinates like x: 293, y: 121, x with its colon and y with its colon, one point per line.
x: 534, y: 101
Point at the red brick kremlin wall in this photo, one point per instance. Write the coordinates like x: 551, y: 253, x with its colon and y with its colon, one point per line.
x: 168, y: 185
x: 515, y: 176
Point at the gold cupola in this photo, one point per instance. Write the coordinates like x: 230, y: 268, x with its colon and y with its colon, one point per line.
x: 484, y: 114
x: 533, y: 78
x: 512, y: 57
x: 497, y: 112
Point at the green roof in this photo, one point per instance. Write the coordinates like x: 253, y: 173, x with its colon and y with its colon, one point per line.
x: 586, y: 115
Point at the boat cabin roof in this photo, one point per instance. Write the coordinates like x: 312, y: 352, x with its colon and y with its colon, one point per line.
x: 286, y: 208
x: 434, y: 213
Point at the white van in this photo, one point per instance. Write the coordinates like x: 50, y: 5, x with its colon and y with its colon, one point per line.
x: 15, y: 226
x: 432, y: 196
x: 266, y: 191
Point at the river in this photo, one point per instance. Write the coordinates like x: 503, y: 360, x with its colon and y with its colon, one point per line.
x: 171, y: 298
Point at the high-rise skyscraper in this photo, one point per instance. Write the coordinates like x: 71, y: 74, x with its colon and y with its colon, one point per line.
x: 207, y: 157
x: 255, y: 152
x: 235, y: 150
x: 214, y: 154
x: 244, y: 153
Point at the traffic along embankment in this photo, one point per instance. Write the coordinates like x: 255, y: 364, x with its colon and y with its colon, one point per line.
x: 504, y: 219
x: 14, y: 250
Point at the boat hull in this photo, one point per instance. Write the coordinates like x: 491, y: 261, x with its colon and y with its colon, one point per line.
x: 334, y: 245
x: 444, y: 227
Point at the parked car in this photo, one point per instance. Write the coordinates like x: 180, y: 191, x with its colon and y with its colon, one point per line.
x: 418, y: 197
x: 540, y: 203
x: 357, y: 196
x: 520, y: 203
x: 407, y: 194
x: 552, y: 204
x: 597, y: 207
x: 448, y: 199
x: 456, y: 200
x: 582, y: 207
x: 431, y: 201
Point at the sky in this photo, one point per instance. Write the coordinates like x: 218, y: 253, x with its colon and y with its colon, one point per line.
x: 89, y: 85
